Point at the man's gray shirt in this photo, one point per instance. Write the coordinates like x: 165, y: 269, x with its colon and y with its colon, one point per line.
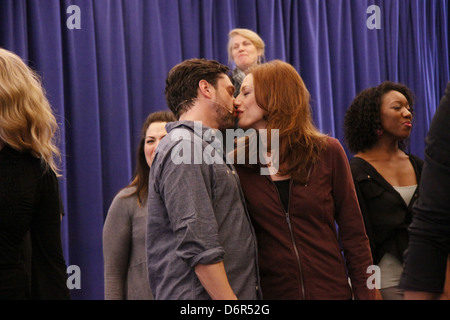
x: 197, y: 215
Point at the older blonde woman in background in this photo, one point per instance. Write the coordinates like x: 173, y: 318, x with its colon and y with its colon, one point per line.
x: 29, y: 192
x: 245, y: 49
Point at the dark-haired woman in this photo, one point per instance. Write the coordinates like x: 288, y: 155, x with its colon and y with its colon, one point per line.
x: 377, y: 127
x: 124, y: 230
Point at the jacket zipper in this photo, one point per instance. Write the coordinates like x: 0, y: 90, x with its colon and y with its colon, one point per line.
x: 288, y: 220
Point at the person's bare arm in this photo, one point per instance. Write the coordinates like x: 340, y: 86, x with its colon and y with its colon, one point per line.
x: 215, y: 281
x: 419, y: 295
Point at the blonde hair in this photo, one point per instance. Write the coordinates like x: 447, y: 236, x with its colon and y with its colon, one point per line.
x: 27, y: 123
x: 250, y: 35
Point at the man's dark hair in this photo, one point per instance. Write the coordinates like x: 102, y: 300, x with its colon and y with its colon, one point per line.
x: 363, y: 119
x: 183, y: 80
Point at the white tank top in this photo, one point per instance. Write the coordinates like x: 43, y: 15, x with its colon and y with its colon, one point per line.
x: 391, y: 268
x: 406, y: 192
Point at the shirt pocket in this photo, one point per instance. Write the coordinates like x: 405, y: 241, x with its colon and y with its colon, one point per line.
x: 224, y: 180
x: 369, y: 187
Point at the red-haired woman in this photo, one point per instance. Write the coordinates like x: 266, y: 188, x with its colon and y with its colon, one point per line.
x: 302, y: 255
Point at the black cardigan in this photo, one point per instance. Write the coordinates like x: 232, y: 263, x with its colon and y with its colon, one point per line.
x: 386, y: 215
x: 30, y: 214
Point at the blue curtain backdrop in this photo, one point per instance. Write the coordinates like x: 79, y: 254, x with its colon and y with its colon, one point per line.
x: 103, y: 79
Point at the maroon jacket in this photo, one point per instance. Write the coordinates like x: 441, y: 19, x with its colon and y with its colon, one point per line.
x: 299, y: 252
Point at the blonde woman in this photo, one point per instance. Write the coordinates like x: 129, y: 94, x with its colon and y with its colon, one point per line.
x: 29, y: 192
x: 245, y: 49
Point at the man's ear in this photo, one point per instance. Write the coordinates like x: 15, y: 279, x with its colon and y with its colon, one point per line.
x: 204, y: 88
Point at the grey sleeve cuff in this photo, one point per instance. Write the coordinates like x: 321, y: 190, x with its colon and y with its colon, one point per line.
x: 210, y: 256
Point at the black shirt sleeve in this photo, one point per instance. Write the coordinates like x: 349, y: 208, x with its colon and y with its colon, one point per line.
x: 49, y: 273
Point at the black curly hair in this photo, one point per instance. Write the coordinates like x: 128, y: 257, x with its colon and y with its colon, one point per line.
x: 362, y: 118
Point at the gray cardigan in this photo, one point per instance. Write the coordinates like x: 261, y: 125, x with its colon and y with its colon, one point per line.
x: 125, y: 262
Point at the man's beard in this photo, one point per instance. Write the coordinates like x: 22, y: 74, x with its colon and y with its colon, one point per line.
x: 225, y: 117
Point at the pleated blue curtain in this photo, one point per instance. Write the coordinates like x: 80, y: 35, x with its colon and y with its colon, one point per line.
x: 103, y: 79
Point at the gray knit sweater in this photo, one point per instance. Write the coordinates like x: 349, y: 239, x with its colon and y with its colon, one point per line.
x: 125, y: 262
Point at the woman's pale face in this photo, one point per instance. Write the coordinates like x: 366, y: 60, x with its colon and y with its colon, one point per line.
x: 155, y: 132
x: 249, y: 114
x: 244, y: 52
x: 395, y: 115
